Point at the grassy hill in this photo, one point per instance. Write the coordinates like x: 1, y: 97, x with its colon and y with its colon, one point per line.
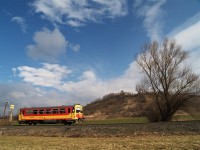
x: 123, y: 104
x: 116, y: 105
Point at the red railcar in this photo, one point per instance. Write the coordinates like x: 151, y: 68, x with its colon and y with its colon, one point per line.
x: 56, y: 114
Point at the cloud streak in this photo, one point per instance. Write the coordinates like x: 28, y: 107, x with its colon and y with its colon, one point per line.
x: 188, y: 36
x: 21, y: 21
x: 79, y: 12
x: 152, y: 16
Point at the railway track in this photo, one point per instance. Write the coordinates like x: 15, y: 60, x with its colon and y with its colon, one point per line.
x: 103, y: 130
x: 81, y: 124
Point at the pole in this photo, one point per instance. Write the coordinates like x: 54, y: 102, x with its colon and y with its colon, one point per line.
x: 10, y: 119
x: 5, y: 109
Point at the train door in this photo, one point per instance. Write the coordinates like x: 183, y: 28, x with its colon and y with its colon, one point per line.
x: 70, y: 113
x: 21, y: 114
x: 78, y: 113
x: 73, y: 113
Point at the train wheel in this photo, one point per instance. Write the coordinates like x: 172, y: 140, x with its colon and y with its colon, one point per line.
x: 69, y: 123
x: 80, y: 120
x: 34, y: 123
x: 65, y: 122
x: 30, y: 123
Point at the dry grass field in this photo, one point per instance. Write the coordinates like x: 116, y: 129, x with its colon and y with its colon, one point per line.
x: 111, y: 134
x: 116, y: 143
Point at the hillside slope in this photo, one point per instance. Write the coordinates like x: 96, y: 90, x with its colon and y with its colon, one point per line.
x: 116, y: 105
x: 128, y: 105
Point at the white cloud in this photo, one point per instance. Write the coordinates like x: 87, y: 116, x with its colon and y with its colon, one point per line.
x: 26, y: 95
x: 49, y: 45
x: 91, y: 87
x: 74, y: 23
x: 88, y: 86
x: 50, y: 75
x: 21, y: 21
x: 17, y: 94
x: 188, y: 36
x: 75, y: 47
x: 152, y: 14
x: 79, y: 12
x: 88, y: 75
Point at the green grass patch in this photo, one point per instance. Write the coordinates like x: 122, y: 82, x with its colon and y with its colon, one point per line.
x: 138, y: 119
x: 180, y: 117
x: 117, y: 120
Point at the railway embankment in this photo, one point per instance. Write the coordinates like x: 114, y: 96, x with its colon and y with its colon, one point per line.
x: 103, y: 130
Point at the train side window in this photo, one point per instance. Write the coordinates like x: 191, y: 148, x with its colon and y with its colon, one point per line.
x: 69, y: 110
x: 62, y: 110
x: 41, y: 111
x: 55, y: 111
x: 48, y: 111
x: 28, y: 112
x: 35, y: 111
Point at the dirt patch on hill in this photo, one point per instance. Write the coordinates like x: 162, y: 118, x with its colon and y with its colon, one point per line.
x: 115, y: 130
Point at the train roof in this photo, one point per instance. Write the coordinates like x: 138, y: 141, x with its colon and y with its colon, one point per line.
x: 49, y: 107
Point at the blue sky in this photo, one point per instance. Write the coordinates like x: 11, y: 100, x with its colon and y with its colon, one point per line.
x: 59, y: 52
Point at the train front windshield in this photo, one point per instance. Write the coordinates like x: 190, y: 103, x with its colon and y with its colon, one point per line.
x: 79, y: 110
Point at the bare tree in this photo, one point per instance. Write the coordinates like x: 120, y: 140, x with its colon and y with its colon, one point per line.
x: 167, y: 81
